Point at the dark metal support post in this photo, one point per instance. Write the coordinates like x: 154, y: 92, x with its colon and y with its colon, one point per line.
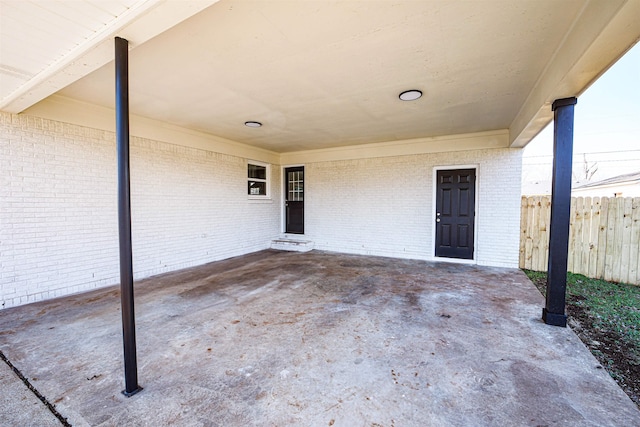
x: 124, y: 218
x: 554, y: 311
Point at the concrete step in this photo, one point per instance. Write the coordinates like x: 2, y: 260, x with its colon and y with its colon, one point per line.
x: 289, y: 244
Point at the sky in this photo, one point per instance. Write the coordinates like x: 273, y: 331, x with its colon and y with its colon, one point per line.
x: 606, y: 127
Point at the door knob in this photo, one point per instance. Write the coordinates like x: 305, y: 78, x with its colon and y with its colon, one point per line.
x: 438, y: 220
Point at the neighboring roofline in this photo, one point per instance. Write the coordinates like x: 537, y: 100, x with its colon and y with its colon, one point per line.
x: 619, y: 179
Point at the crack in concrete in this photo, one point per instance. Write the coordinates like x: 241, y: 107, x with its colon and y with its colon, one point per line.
x: 35, y: 391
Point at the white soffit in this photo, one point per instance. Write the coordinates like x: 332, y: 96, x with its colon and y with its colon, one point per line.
x: 46, y: 45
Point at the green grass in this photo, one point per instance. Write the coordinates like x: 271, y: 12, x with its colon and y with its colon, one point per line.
x: 612, y: 306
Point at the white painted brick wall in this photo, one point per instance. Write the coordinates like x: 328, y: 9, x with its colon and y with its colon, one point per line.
x: 58, y: 207
x: 499, y: 208
x: 384, y: 206
x: 58, y: 217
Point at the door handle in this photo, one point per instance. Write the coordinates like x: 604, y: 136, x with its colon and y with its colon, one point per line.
x: 438, y: 220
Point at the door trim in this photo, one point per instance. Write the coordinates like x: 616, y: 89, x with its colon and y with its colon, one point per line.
x: 283, y: 196
x: 434, y: 193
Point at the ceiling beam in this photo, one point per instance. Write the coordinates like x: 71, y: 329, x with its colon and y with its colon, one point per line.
x: 145, y: 20
x: 602, y: 33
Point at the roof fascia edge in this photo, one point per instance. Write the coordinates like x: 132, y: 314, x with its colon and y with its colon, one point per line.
x: 601, y: 34
x: 145, y: 20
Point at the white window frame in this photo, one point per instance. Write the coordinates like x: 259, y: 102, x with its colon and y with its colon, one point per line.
x: 267, y: 180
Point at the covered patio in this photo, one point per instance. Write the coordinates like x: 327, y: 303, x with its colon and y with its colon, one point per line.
x: 312, y: 339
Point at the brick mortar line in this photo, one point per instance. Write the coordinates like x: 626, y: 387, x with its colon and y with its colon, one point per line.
x: 39, y: 395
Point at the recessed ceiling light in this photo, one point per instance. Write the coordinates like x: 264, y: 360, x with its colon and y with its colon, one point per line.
x: 253, y: 124
x: 410, y: 95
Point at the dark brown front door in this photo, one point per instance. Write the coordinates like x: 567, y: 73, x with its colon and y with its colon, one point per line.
x: 455, y: 213
x: 294, y: 200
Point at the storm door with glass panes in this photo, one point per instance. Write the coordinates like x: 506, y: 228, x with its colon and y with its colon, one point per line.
x: 294, y: 200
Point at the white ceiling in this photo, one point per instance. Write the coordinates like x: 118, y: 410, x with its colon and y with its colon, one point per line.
x: 322, y: 74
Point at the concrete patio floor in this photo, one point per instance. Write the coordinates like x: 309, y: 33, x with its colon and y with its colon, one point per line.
x: 313, y: 339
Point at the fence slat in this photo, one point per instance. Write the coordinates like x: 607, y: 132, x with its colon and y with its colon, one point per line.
x: 611, y: 237
x: 535, y: 235
x: 532, y: 215
x: 572, y: 234
x: 618, y: 240
x: 528, y: 243
x: 593, y: 237
x: 545, y: 219
x: 577, y: 219
x: 586, y: 238
x: 625, y: 255
x: 523, y: 229
x: 634, y: 274
x: 604, y: 237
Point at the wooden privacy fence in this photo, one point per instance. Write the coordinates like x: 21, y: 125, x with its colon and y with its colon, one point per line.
x: 604, y: 237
